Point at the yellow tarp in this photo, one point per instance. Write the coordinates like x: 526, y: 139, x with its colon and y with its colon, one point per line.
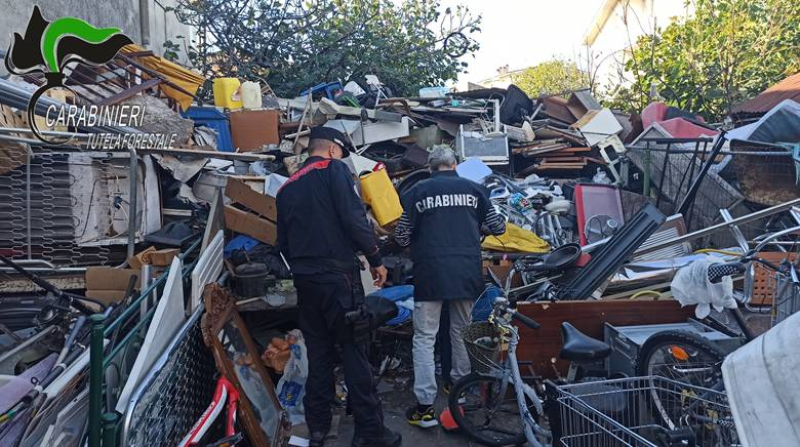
x: 185, y: 79
x: 516, y: 239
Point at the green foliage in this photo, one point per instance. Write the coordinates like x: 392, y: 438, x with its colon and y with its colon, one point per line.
x: 296, y: 44
x: 551, y: 77
x: 729, y: 51
x: 171, y: 50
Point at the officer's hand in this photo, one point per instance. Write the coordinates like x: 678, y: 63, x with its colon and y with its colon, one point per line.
x: 379, y: 275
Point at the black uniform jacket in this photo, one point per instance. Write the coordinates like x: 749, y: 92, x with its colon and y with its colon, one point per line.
x: 322, y: 222
x: 442, y: 220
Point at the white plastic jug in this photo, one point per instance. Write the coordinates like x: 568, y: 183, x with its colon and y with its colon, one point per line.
x: 251, y: 95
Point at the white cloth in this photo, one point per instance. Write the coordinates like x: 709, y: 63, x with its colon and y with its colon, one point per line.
x: 691, y: 286
x: 426, y: 326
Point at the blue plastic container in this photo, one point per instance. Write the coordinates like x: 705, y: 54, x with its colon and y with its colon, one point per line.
x: 213, y: 118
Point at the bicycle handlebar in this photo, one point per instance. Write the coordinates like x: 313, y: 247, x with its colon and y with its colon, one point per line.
x: 527, y: 321
x: 718, y: 271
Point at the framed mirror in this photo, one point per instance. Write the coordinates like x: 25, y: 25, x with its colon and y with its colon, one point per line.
x: 224, y: 332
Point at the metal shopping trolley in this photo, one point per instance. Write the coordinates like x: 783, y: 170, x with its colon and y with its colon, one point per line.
x: 644, y: 411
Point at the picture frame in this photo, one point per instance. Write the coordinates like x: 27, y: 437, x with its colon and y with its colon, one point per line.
x: 264, y: 421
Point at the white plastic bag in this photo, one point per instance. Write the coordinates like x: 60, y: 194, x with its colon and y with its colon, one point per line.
x: 691, y: 286
x: 292, y: 386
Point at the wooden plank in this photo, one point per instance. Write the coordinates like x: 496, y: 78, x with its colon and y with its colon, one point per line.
x: 541, y: 346
x: 125, y: 94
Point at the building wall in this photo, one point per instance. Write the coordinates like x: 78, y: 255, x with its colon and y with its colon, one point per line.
x: 608, y: 42
x: 123, y: 14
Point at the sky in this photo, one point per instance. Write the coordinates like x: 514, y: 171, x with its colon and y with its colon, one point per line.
x: 522, y: 33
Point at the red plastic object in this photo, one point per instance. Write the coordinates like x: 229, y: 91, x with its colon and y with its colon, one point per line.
x: 447, y: 421
x: 653, y: 113
x: 680, y: 128
x: 591, y: 200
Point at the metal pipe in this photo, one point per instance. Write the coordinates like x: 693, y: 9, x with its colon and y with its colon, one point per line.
x: 132, y: 203
x: 144, y: 21
x: 688, y: 199
x: 110, y: 423
x: 54, y: 133
x: 96, y: 380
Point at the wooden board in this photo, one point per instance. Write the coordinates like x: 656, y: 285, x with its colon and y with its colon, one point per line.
x: 542, y: 345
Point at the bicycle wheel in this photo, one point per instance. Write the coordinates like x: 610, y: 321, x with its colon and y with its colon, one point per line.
x: 683, y: 357
x: 488, y: 412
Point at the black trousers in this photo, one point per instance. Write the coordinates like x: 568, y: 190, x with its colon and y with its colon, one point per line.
x: 322, y: 301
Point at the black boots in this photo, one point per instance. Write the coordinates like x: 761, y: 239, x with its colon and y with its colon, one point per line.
x: 317, y: 439
x: 388, y: 439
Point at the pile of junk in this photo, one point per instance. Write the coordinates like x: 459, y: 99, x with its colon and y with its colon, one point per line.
x: 142, y: 289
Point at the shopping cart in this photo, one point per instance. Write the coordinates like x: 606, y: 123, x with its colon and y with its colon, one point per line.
x: 644, y: 411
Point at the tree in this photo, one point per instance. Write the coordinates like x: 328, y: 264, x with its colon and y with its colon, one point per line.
x: 551, y: 78
x: 727, y: 52
x: 296, y: 44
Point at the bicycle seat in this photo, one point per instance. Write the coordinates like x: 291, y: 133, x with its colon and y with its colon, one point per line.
x: 559, y: 259
x: 579, y: 346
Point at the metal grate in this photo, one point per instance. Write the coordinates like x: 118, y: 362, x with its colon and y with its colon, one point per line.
x: 64, y: 209
x: 174, y: 396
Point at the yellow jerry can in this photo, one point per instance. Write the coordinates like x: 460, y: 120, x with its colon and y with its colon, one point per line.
x: 378, y: 192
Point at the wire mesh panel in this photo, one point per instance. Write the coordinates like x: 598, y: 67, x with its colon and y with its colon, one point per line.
x: 644, y: 411
x: 170, y: 401
x: 673, y: 168
x: 787, y: 297
x: 65, y: 208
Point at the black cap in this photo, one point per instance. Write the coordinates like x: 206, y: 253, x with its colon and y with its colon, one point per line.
x: 332, y: 135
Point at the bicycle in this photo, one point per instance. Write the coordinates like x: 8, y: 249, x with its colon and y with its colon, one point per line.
x: 496, y: 390
x: 495, y: 406
x: 690, y: 358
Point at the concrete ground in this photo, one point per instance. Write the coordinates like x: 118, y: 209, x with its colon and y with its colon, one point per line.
x: 397, y: 396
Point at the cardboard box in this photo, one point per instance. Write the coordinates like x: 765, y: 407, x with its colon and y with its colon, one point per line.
x: 108, y: 284
x: 139, y: 259
x: 241, y: 193
x: 253, y: 129
x: 163, y: 258
x: 251, y: 225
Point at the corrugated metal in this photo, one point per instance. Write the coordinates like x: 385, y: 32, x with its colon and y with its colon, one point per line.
x: 789, y: 88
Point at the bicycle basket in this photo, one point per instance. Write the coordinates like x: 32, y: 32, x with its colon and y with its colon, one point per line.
x: 483, y: 342
x: 644, y: 412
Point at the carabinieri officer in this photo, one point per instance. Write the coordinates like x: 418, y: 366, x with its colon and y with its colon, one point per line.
x: 322, y: 223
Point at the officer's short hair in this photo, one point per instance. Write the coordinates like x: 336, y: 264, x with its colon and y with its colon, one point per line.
x: 317, y: 144
x: 441, y: 156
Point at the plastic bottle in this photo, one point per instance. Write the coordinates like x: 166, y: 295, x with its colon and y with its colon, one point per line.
x: 251, y: 95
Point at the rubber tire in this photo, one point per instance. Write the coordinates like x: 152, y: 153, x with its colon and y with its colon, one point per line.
x: 677, y: 337
x: 673, y: 338
x: 462, y: 384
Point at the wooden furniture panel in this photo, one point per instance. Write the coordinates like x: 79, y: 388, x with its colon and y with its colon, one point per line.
x: 541, y: 346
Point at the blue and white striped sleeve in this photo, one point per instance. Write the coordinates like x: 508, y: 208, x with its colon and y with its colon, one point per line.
x: 494, y: 222
x: 402, y: 233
